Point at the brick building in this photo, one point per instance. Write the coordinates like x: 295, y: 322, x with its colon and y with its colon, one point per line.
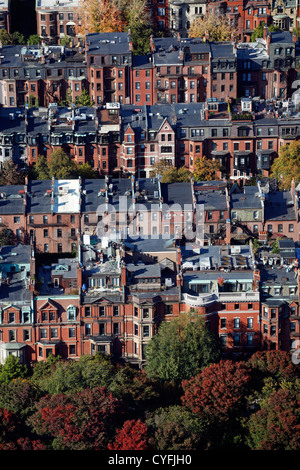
x: 56, y: 20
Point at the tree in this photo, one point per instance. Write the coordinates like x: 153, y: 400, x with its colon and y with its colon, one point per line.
x: 169, y: 173
x: 205, y: 169
x: 217, y: 393
x: 177, y: 428
x: 286, y: 166
x: 98, y: 16
x: 259, y: 31
x: 19, y: 396
x: 40, y: 171
x: 34, y: 39
x: 65, y: 41
x: 12, y: 369
x: 276, y: 425
x: 132, y: 436
x: 86, y: 171
x: 180, y: 349
x: 7, y: 237
x: 276, y: 364
x: 84, y: 99
x: 9, y: 39
x: 10, y: 173
x: 218, y: 27
x: 84, y: 420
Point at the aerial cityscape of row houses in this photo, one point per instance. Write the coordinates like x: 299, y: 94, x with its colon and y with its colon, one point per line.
x: 97, y: 264
x: 146, y: 251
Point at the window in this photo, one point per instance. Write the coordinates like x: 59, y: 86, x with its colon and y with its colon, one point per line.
x: 115, y: 310
x: 17, y: 220
x: 71, y: 313
x: 146, y: 331
x: 223, y: 322
x: 236, y: 323
x: 250, y: 322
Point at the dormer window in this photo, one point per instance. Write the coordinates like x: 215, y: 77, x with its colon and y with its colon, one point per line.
x: 71, y: 313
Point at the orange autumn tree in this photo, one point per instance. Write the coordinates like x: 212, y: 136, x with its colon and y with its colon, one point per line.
x: 98, y: 16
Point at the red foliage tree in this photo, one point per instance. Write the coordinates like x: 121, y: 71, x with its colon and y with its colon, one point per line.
x: 81, y: 421
x: 276, y: 426
x: 276, y: 363
x: 217, y: 392
x: 132, y: 436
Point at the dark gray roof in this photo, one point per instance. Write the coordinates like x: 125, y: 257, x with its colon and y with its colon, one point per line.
x: 248, y: 199
x: 91, y: 200
x: 19, y: 254
x: 38, y: 203
x: 282, y: 37
x: 11, y: 201
x: 277, y: 276
x: 177, y: 193
x: 108, y: 43
x: 279, y: 206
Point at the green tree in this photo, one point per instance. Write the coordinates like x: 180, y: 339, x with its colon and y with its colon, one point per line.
x: 286, y: 166
x: 9, y: 39
x: 65, y: 41
x: 84, y: 99
x: 12, y: 369
x: 180, y: 349
x: 86, y: 171
x: 61, y: 166
x: 34, y: 39
x: 40, y: 170
x: 177, y: 428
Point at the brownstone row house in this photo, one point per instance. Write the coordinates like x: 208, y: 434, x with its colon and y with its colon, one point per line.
x: 56, y: 19
x: 112, y: 298
x: 177, y: 70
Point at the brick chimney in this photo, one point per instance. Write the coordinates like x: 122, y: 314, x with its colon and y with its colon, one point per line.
x: 152, y: 45
x: 228, y: 232
x: 123, y: 274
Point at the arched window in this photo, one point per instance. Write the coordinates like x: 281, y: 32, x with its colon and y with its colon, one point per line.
x: 71, y: 312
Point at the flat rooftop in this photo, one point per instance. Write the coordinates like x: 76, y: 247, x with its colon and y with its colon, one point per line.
x: 66, y: 196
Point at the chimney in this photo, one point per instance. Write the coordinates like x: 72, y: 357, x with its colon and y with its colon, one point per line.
x: 228, y: 232
x: 295, y: 38
x: 256, y: 279
x: 178, y: 257
x: 32, y: 266
x: 152, y: 46
x: 79, y: 276
x: 206, y: 36
x: 293, y: 190
x: 265, y: 32
x: 130, y: 46
x: 123, y: 275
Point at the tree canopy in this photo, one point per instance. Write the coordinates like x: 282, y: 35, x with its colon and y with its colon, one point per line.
x: 181, y: 348
x: 10, y: 173
x: 169, y: 173
x: 218, y: 27
x: 61, y: 166
x: 95, y: 404
x: 286, y: 166
x: 105, y: 16
x: 205, y: 169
